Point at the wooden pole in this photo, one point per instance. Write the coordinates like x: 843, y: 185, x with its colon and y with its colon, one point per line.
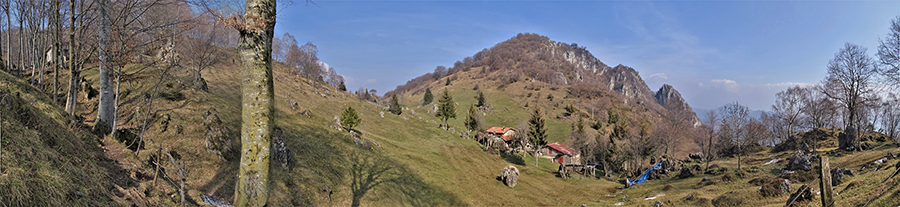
x: 825, y: 183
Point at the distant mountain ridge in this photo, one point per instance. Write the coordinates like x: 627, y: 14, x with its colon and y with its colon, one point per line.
x: 540, y: 58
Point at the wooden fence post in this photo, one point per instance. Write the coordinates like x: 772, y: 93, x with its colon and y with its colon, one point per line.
x: 825, y: 183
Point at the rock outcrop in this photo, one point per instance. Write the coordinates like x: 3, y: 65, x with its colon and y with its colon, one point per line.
x: 669, y: 98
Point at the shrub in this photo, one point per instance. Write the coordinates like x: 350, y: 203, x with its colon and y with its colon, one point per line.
x: 350, y: 119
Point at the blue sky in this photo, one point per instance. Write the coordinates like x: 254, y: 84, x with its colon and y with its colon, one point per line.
x: 712, y: 52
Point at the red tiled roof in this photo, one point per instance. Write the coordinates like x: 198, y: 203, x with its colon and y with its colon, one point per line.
x: 507, y: 138
x: 499, y: 130
x: 563, y: 148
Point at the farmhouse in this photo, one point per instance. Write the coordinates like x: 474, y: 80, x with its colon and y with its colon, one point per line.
x: 505, y: 133
x: 562, y: 154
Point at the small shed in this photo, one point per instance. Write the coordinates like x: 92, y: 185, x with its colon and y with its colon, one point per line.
x: 562, y: 154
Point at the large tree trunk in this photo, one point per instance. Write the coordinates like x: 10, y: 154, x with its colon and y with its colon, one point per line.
x: 72, y: 96
x: 257, y: 102
x: 8, y: 36
x: 106, y: 112
x: 56, y: 52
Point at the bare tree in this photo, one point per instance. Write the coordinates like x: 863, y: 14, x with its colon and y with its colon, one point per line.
x: 201, y: 48
x: 735, y: 118
x: 709, y: 130
x: 788, y: 104
x: 849, y: 82
x: 891, y: 121
x: 889, y: 54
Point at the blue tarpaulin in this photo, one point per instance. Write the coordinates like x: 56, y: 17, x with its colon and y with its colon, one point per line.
x: 644, y: 177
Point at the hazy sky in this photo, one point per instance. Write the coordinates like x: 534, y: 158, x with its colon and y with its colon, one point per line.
x: 712, y: 52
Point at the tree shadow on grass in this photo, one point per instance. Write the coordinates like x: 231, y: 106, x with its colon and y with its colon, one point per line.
x: 370, y: 170
x: 513, y: 158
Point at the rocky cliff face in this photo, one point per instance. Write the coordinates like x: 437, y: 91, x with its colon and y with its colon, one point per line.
x: 622, y: 79
x: 668, y: 97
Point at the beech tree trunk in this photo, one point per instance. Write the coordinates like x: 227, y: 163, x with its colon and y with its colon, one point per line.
x: 106, y: 111
x: 56, y: 53
x: 257, y: 102
x: 72, y: 95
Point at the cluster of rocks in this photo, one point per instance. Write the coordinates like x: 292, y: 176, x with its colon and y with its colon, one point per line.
x: 801, y: 161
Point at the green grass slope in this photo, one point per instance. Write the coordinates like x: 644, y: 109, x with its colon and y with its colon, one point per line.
x: 45, y: 160
x: 415, y: 163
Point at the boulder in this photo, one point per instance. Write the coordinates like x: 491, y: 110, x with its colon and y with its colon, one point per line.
x: 838, y: 173
x: 846, y: 139
x: 217, y: 140
x: 281, y: 154
x: 800, y: 161
x: 802, y: 194
x: 510, y: 175
x: 659, y: 204
x: 805, y: 147
x: 685, y: 173
x: 776, y: 187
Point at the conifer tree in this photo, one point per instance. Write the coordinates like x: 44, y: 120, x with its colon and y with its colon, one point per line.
x: 537, y: 132
x: 428, y: 98
x: 473, y: 122
x: 480, y: 99
x: 395, y: 105
x: 350, y: 119
x: 446, y: 109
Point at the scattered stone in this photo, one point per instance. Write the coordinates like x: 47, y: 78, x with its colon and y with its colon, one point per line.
x: 510, y: 175
x: 805, y: 148
x: 659, y: 204
x: 865, y: 146
x: 802, y: 194
x: 381, y: 113
x: 217, y: 140
x: 705, y: 178
x: 281, y: 153
x: 179, y: 129
x: 336, y: 123
x: 776, y: 187
x: 685, y: 173
x: 846, y: 140
x: 293, y: 104
x: 306, y: 113
x: 164, y: 122
x: 697, y: 156
x: 800, y: 161
x: 838, y: 173
x: 202, y: 85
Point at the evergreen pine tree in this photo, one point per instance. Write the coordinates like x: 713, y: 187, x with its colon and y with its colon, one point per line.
x: 472, y: 120
x: 428, y: 97
x: 480, y: 99
x: 395, y: 105
x: 537, y: 132
x: 350, y: 119
x: 446, y: 109
x: 448, y: 82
